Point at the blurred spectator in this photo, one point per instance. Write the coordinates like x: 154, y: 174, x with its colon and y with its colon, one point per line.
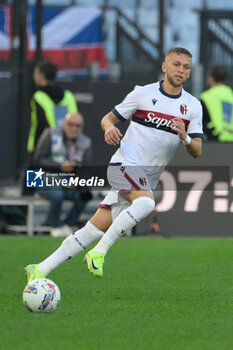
x: 49, y: 104
x: 64, y: 150
x: 217, y: 103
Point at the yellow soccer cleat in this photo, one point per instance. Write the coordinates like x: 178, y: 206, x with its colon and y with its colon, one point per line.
x: 32, y: 272
x: 95, y: 262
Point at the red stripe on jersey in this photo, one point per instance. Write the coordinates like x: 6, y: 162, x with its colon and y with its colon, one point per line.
x: 105, y: 206
x: 156, y: 119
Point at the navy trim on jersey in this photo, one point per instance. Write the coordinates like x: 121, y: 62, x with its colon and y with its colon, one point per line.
x: 118, y: 115
x: 196, y: 135
x: 115, y: 164
x: 166, y: 94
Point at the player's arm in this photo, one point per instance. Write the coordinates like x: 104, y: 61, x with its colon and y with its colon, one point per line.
x: 112, y: 134
x: 121, y: 112
x: 194, y: 148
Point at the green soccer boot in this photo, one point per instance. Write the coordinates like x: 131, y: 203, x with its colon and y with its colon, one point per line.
x: 95, y: 262
x: 32, y: 272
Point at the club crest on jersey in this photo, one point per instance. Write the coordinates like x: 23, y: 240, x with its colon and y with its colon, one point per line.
x: 143, y: 181
x: 183, y: 108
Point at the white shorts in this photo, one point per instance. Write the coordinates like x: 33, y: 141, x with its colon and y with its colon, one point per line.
x: 123, y: 179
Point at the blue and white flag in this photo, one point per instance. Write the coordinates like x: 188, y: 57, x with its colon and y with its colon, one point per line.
x: 71, y: 36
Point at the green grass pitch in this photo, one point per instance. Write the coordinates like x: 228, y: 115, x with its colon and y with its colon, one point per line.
x: 165, y: 294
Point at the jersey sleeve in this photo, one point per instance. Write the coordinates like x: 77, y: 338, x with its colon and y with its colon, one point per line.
x: 128, y: 106
x: 195, y: 125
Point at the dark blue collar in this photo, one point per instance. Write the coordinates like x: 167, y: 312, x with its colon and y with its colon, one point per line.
x: 166, y: 94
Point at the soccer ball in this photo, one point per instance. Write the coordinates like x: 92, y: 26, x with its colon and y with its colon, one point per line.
x: 41, y: 295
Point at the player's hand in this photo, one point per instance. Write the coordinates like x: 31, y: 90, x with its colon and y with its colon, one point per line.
x: 179, y: 126
x: 112, y: 136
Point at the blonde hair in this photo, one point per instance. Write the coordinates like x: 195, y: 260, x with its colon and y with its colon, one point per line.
x: 179, y: 51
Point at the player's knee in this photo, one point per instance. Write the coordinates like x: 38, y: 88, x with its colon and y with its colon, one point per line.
x: 145, y: 204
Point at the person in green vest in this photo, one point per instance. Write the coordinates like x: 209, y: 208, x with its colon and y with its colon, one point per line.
x: 217, y: 104
x: 49, y: 104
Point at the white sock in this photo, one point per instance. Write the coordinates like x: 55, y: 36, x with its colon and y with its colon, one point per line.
x: 126, y: 220
x: 70, y: 247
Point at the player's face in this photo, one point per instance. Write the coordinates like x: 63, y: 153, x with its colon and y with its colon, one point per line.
x: 177, y: 68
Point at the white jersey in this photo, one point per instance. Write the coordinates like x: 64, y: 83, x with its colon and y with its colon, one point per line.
x: 150, y: 141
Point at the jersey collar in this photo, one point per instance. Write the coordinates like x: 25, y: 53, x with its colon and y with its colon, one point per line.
x: 166, y: 94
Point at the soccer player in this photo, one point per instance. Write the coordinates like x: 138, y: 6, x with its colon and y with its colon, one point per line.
x: 162, y: 115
